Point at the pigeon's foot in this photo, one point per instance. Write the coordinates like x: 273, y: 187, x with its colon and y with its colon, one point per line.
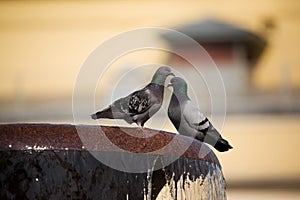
x: 142, y: 128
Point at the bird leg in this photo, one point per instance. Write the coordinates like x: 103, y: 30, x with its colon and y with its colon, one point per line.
x: 141, y: 127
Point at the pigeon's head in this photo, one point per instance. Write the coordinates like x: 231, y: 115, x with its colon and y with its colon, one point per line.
x: 164, y: 70
x: 179, y: 85
x: 161, y: 74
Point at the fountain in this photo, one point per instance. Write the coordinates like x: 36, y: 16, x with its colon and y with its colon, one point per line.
x: 44, y: 161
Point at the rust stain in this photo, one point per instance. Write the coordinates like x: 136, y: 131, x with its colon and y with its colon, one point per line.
x: 65, y: 137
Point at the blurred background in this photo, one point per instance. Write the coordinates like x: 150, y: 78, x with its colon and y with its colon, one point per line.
x: 253, y: 43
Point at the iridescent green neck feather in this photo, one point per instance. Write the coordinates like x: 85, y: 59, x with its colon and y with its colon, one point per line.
x: 182, y: 90
x: 158, y: 79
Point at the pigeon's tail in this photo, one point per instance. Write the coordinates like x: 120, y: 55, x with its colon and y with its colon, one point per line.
x: 214, y: 138
x: 106, y: 113
x: 222, y: 145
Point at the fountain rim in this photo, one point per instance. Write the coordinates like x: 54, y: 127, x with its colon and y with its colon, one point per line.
x: 64, y: 137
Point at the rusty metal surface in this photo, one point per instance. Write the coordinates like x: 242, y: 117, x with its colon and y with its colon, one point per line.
x: 63, y: 136
x: 45, y: 161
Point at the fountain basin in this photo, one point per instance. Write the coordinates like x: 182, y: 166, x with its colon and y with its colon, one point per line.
x: 45, y: 161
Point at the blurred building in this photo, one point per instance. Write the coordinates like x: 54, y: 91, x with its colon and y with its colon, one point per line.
x: 235, y: 51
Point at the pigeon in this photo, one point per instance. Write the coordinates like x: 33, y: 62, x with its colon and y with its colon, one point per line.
x: 189, y: 121
x: 140, y: 105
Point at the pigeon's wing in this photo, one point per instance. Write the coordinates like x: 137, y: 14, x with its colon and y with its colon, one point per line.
x: 140, y: 101
x: 205, y: 130
x: 136, y: 103
x: 194, y: 118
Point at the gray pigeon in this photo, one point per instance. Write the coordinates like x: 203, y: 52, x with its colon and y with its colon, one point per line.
x: 140, y: 105
x: 189, y: 121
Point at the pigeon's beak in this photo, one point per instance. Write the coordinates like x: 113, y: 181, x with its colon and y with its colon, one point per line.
x: 171, y: 74
x: 169, y: 85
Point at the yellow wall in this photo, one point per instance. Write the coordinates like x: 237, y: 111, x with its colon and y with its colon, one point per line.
x: 43, y: 44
